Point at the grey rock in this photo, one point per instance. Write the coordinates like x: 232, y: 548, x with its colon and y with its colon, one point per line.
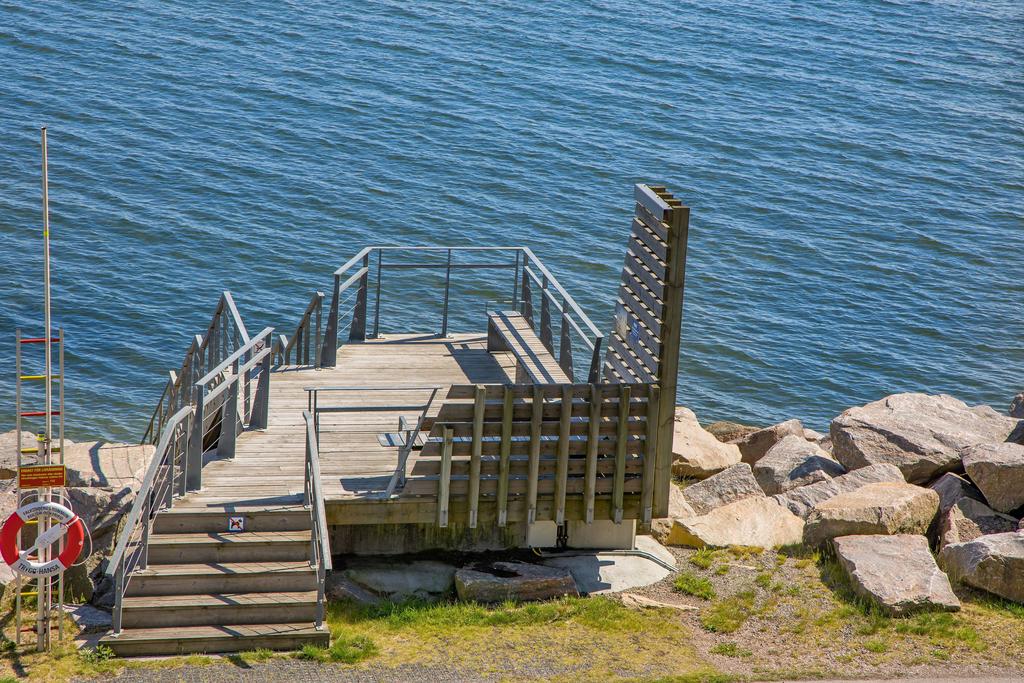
x: 695, y: 452
x: 677, y: 507
x: 517, y: 581
x: 1017, y: 406
x: 339, y: 588
x: 397, y: 581
x: 9, y: 452
x: 993, y: 563
x: 813, y: 436
x: 729, y: 431
x: 728, y: 486
x: 885, y: 508
x: 969, y: 519
x: 951, y: 488
x: 755, y: 445
x: 794, y: 462
x: 89, y: 619
x: 801, y: 501
x: 896, y: 572
x: 923, y: 435
x: 998, y: 470
x: 759, y: 522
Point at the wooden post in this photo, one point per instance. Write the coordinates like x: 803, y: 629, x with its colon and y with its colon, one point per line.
x: 545, y: 318
x: 194, y: 458
x: 618, y: 485
x: 537, y: 416
x: 474, y: 461
x: 229, y: 417
x: 562, y: 468
x: 527, y: 293
x: 444, y: 481
x: 565, y: 343
x: 358, y: 331
x: 650, y: 455
x: 590, y: 472
x: 505, y: 450
x: 261, y: 408
x: 329, y: 350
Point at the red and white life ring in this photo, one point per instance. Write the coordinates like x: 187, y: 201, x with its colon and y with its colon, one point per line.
x: 67, y: 523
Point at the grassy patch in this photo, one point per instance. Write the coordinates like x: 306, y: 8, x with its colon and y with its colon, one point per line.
x: 730, y: 650
x: 877, y: 646
x: 729, y: 614
x: 703, y: 558
x: 691, y: 584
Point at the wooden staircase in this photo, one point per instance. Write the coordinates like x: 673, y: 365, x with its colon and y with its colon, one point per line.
x: 205, y: 589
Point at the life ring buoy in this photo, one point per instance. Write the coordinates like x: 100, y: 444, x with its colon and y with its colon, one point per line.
x: 67, y: 523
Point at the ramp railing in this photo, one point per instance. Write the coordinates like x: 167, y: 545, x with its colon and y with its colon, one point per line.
x: 307, y: 342
x: 320, y: 543
x: 533, y: 291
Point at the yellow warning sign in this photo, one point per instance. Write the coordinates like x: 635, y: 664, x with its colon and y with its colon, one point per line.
x: 41, y: 476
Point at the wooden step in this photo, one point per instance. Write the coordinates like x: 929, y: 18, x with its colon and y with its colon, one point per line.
x: 215, y: 609
x: 233, y: 577
x: 247, y: 546
x: 177, y: 640
x: 183, y: 518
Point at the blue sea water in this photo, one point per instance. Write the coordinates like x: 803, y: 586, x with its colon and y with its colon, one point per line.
x: 855, y: 170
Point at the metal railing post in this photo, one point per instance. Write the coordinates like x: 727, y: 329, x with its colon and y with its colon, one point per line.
x: 118, y: 597
x: 363, y: 285
x: 146, y: 516
x: 357, y: 331
x: 515, y: 284
x: 329, y: 351
x: 261, y: 409
x: 194, y: 458
x: 565, y: 343
x: 318, y: 350
x: 447, y: 290
x: 229, y: 417
x: 595, y: 362
x: 545, y: 317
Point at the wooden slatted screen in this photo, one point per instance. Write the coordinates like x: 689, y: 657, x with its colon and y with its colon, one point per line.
x: 544, y: 444
x: 644, y: 344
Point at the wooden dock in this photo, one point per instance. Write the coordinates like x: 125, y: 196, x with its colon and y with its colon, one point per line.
x: 274, y: 452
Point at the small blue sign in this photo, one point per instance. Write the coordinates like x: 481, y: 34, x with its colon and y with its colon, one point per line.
x: 634, y: 332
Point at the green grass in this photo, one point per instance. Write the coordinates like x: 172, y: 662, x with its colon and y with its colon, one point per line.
x: 703, y: 558
x: 691, y: 584
x: 877, y: 646
x: 348, y: 650
x: 729, y: 614
x: 941, y: 628
x: 730, y: 650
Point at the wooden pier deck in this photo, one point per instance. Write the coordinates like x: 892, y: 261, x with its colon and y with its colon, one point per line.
x: 268, y: 467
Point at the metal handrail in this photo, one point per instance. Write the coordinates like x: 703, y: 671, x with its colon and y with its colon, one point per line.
x: 553, y: 295
x: 149, y: 501
x: 307, y: 335
x: 225, y: 332
x: 320, y: 543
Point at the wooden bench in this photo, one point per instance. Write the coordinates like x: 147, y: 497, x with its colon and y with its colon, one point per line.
x: 510, y: 331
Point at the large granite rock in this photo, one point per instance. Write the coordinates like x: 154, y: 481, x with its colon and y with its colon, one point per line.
x: 793, y: 462
x: 993, y: 563
x: 695, y: 452
x: 968, y: 519
x: 9, y: 452
x: 923, y: 435
x: 729, y: 431
x: 897, y: 572
x: 420, y: 579
x: 1017, y: 406
x: 885, y: 508
x: 677, y: 507
x: 517, y: 581
x: 760, y: 522
x: 801, y: 501
x: 755, y: 445
x: 951, y: 488
x: 728, y: 486
x: 998, y: 470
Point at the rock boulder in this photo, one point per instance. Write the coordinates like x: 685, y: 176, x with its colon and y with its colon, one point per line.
x: 421, y: 579
x: 951, y: 488
x: 968, y: 519
x: 1017, y: 406
x: 923, y: 435
x: 695, y: 452
x: 728, y: 486
x: 885, y: 508
x: 755, y: 445
x: 517, y: 581
x: 993, y: 563
x: 998, y: 470
x: 794, y: 462
x: 760, y: 522
x: 897, y: 572
x: 800, y: 501
x: 729, y: 431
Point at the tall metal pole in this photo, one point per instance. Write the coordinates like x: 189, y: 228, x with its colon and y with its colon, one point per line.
x: 44, y: 597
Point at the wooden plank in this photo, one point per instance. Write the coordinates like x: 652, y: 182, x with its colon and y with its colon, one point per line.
x: 629, y: 301
x: 578, y: 407
x: 647, y: 258
x: 620, y: 461
x: 647, y: 197
x: 639, y: 351
x: 496, y: 392
x: 630, y: 282
x: 562, y: 472
x: 644, y: 235
x: 519, y: 488
x: 640, y: 370
x: 658, y: 227
x: 607, y: 427
x: 535, y: 434
x: 590, y: 483
x: 578, y: 445
x: 642, y: 273
x: 490, y: 467
x: 474, y: 469
x: 650, y: 457
x: 444, y: 482
x: 506, y: 451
